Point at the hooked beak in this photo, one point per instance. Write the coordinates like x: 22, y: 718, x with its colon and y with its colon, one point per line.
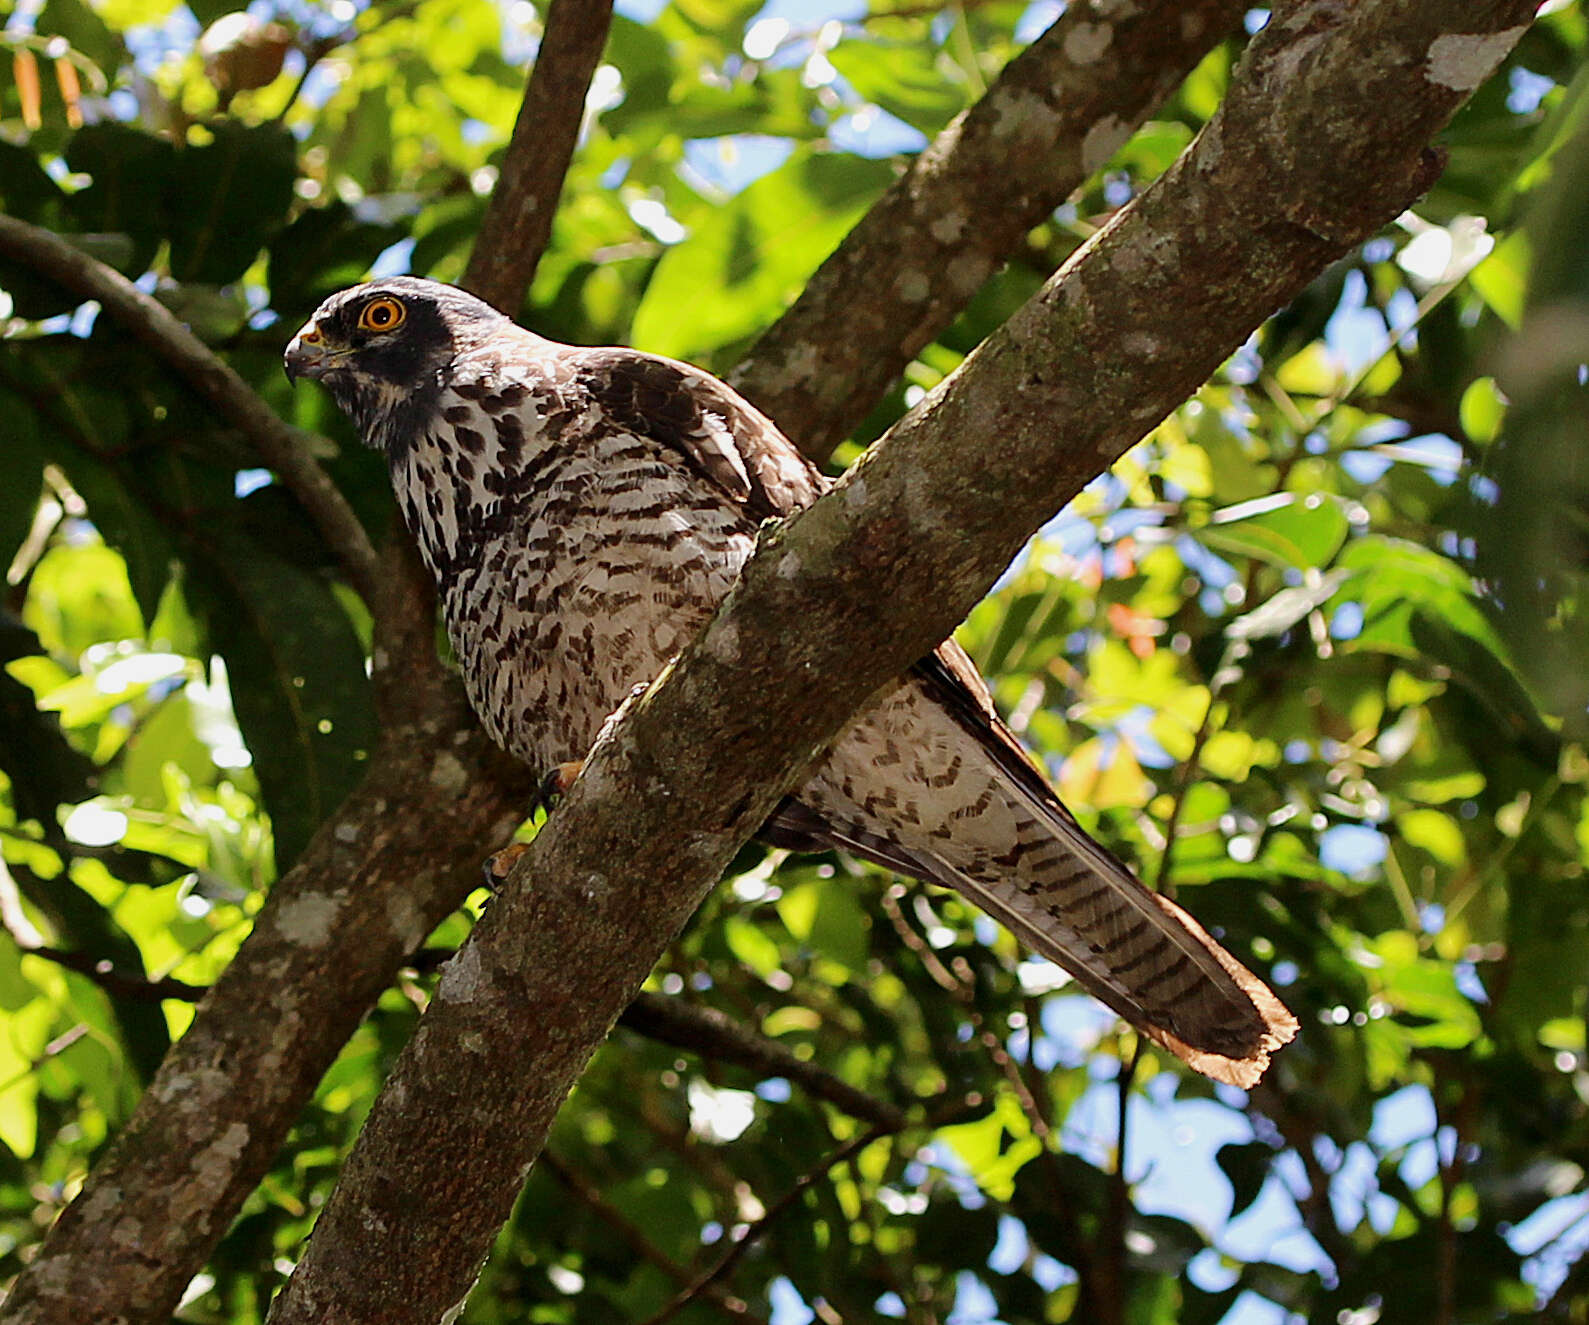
x: 308, y: 355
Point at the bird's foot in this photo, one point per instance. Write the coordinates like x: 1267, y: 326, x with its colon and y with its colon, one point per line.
x: 555, y: 784
x: 500, y: 864
x: 551, y: 789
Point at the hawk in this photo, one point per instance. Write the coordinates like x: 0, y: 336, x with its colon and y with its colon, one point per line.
x: 584, y: 510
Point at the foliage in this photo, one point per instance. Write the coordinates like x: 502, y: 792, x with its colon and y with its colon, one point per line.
x: 1299, y: 630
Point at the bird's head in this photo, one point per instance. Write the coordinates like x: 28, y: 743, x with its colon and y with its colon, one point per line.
x: 381, y: 349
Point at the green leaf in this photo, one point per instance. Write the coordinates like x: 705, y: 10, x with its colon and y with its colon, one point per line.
x: 826, y: 916
x: 130, y: 172
x: 1434, y: 832
x: 746, y: 259
x: 298, y: 684
x: 1483, y: 408
x: 227, y: 198
x: 322, y: 251
x: 80, y: 596
x: 1285, y: 530
x: 911, y: 81
x: 1502, y: 278
x: 751, y: 945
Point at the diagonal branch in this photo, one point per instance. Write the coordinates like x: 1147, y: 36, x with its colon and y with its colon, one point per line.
x: 396, y: 857
x: 1321, y: 140
x: 279, y: 445
x: 518, y: 220
x: 372, y: 883
x: 1057, y: 112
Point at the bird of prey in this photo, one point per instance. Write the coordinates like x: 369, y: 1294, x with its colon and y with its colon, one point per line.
x: 584, y: 510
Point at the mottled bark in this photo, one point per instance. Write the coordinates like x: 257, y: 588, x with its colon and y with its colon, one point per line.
x: 1056, y: 113
x: 1323, y: 139
x: 518, y: 220
x: 378, y: 876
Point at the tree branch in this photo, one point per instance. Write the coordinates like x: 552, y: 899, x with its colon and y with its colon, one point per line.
x: 438, y: 798
x: 700, y: 1030
x: 279, y: 445
x: 118, y: 983
x: 1056, y: 113
x: 373, y: 882
x: 1321, y: 140
x: 518, y: 220
x: 711, y: 1034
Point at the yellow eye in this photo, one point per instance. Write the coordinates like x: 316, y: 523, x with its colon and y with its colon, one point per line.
x: 381, y: 315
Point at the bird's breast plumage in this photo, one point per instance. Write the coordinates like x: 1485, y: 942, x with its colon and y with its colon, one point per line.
x: 573, y: 556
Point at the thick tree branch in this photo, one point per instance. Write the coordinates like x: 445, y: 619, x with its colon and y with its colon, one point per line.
x: 1322, y: 139
x: 279, y: 445
x: 1057, y: 112
x: 377, y: 877
x: 518, y: 220
x: 373, y: 882
x: 396, y: 857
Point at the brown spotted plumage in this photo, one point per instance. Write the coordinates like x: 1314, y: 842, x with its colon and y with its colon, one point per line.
x: 583, y: 511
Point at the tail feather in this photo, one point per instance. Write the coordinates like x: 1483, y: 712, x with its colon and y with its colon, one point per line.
x: 932, y: 784
x: 1163, y: 974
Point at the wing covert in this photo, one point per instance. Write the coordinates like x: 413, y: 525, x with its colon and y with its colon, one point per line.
x: 723, y: 435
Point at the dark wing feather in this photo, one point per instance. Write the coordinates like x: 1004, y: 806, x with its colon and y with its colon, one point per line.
x: 724, y: 436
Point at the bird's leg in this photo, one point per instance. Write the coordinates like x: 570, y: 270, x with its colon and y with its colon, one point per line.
x: 551, y: 789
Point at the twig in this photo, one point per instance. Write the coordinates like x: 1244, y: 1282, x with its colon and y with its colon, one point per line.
x: 1300, y: 1134
x: 118, y: 983
x: 1184, y: 777
x: 1187, y: 773
x: 316, y: 50
x: 149, y: 321
x: 1110, y: 1298
x: 734, y: 1308
x: 958, y: 979
x: 712, y: 1034
x: 122, y: 984
x: 756, y: 1231
x: 518, y: 219
x: 703, y: 1031
x: 1452, y: 1172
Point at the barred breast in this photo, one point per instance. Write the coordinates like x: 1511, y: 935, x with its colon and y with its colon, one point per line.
x: 573, y: 559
